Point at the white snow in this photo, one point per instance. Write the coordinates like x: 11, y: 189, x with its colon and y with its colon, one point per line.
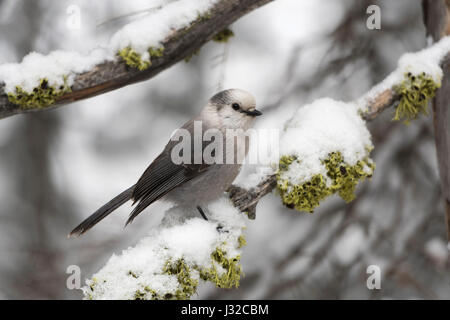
x: 251, y: 177
x: 141, y: 34
x: 263, y: 152
x: 155, y: 27
x: 426, y: 60
x: 318, y: 129
x: 181, y: 235
x: 54, y: 67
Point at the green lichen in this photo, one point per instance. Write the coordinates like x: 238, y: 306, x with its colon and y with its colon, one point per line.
x: 232, y: 270
x: 147, y: 294
x: 183, y: 273
x: 242, y: 242
x: 134, y: 59
x: 223, y: 36
x: 156, y: 52
x: 345, y: 177
x: 415, y: 92
x: 224, y: 273
x: 150, y: 292
x: 139, y: 295
x: 307, y: 196
x: 285, y: 161
x: 42, y: 96
x: 92, y: 285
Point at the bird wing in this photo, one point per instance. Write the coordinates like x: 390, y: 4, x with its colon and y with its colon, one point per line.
x: 162, y: 176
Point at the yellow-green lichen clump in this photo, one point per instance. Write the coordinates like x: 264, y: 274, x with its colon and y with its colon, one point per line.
x: 135, y: 60
x: 223, y: 36
x: 42, y: 96
x: 324, y: 150
x: 415, y: 92
x: 242, y: 242
x: 188, y: 284
x: 224, y: 272
x: 340, y: 178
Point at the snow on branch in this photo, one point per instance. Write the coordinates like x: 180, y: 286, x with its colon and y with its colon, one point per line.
x: 175, y: 257
x: 137, y: 52
x: 320, y: 158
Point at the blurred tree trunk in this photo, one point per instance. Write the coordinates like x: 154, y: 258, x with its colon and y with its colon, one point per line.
x: 437, y: 22
x: 39, y: 272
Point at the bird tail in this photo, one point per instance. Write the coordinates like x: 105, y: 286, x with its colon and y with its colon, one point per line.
x: 101, y: 213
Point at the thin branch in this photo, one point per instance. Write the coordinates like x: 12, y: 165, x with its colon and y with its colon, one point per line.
x: 246, y: 200
x: 384, y: 100
x: 116, y: 74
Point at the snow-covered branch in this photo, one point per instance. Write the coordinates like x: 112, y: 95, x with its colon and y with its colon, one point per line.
x: 409, y: 89
x: 172, y: 260
x: 137, y: 52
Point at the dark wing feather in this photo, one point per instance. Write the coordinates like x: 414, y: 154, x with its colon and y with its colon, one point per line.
x: 159, y: 170
x: 161, y: 177
x: 159, y: 191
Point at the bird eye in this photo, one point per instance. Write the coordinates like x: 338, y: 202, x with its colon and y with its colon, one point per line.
x: 235, y: 106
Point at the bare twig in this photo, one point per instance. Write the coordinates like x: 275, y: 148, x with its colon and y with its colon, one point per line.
x: 384, y: 100
x: 115, y: 74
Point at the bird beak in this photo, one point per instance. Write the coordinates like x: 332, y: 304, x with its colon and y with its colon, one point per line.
x: 253, y: 113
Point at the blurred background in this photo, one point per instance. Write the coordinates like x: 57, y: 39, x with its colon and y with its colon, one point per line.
x: 57, y: 167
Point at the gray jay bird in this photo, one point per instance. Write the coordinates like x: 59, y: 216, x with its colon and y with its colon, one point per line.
x: 192, y: 184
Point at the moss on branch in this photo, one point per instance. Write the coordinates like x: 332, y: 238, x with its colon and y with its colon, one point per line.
x: 42, y: 96
x: 135, y: 60
x: 341, y: 178
x: 223, y: 36
x: 415, y: 92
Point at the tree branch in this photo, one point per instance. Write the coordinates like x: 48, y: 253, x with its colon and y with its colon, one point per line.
x: 116, y: 74
x: 384, y: 100
x: 246, y: 200
x: 437, y: 22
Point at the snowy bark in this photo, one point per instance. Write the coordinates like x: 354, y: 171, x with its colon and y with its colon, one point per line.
x: 115, y: 74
